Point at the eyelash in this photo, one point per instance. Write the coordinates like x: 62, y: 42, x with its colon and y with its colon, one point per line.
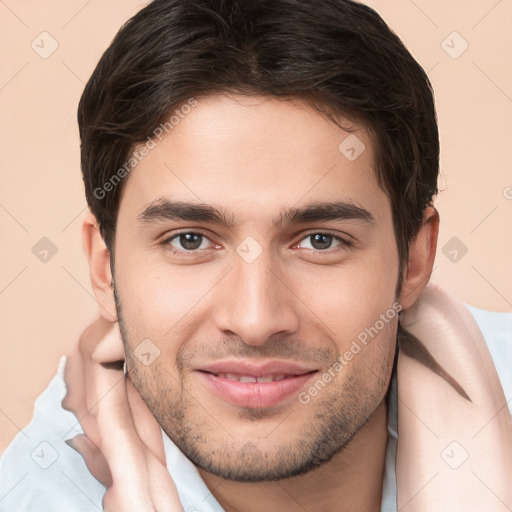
x: 344, y: 244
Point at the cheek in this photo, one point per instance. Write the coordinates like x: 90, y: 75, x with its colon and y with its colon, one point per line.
x: 157, y: 297
x: 350, y: 298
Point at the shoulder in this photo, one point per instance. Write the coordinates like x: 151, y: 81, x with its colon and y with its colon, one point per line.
x: 496, y: 328
x: 38, y: 470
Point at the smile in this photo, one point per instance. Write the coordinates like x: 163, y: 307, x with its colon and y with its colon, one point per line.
x: 252, y: 378
x: 262, y: 391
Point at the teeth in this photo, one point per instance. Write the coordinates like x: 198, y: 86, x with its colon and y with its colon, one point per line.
x: 268, y: 378
x: 247, y: 378
x: 251, y: 378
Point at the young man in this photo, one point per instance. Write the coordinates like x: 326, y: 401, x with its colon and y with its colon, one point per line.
x: 260, y: 177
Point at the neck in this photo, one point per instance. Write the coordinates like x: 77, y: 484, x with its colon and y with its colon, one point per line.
x: 350, y: 481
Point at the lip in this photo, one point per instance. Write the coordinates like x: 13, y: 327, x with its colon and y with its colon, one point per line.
x: 257, y: 394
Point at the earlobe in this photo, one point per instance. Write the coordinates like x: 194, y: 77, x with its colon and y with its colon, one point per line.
x: 422, y: 252
x: 98, y: 258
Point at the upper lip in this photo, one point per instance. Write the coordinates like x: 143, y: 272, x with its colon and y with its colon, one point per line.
x: 257, y: 370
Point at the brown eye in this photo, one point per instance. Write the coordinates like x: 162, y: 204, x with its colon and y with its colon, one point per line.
x: 188, y: 241
x: 323, y: 241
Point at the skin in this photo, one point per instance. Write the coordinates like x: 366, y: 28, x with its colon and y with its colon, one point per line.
x: 254, y: 157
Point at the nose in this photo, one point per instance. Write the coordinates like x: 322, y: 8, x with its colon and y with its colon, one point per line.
x: 256, y: 302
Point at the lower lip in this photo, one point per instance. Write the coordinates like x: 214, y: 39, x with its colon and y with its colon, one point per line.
x: 255, y: 394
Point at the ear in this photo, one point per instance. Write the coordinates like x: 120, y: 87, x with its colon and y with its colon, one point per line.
x: 99, y: 267
x: 422, y: 252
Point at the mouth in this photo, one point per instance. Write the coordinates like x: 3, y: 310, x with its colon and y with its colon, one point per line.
x: 255, y: 386
x: 252, y: 378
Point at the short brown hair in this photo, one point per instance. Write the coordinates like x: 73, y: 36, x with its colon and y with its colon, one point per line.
x: 338, y: 55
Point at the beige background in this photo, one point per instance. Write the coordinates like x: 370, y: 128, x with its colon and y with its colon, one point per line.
x: 45, y: 305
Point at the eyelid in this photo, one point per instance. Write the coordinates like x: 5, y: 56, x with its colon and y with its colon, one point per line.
x: 344, y: 243
x: 335, y: 234
x: 166, y: 239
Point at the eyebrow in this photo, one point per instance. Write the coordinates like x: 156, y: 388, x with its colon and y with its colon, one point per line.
x: 164, y: 209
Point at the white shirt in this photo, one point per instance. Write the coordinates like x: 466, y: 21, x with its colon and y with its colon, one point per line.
x: 40, y: 472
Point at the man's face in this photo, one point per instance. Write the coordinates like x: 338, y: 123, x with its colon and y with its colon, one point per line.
x: 267, y: 297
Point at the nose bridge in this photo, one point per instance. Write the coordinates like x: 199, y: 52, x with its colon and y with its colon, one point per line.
x: 257, y: 304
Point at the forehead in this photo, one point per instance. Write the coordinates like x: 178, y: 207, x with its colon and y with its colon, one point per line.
x: 253, y: 156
